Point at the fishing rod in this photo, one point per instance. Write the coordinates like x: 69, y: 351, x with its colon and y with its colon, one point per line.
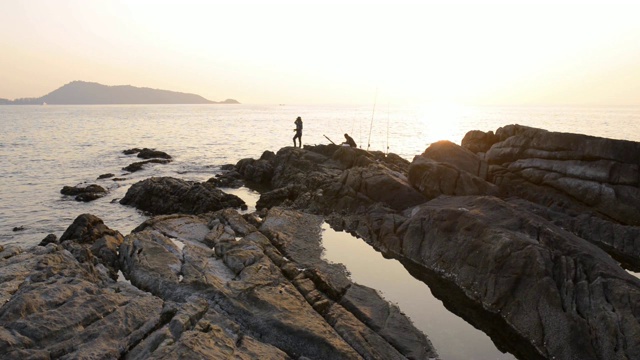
x: 371, y: 126
x: 388, y: 120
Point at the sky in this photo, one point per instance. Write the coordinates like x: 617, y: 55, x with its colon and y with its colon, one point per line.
x: 350, y: 52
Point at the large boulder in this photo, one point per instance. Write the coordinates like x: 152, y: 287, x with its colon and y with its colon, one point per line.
x: 166, y: 195
x: 350, y: 179
x: 559, y: 295
x: 478, y: 141
x: 434, y: 178
x: 84, y: 193
x: 600, y: 173
x: 101, y: 241
x: 462, y: 159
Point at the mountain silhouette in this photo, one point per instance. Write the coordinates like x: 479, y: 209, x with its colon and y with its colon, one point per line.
x: 89, y: 93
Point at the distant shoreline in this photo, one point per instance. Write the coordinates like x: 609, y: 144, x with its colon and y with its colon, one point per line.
x: 87, y: 93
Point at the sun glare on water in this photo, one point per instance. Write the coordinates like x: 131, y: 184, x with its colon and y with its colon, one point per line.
x: 441, y: 121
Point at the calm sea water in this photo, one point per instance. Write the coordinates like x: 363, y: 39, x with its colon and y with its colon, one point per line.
x: 43, y: 148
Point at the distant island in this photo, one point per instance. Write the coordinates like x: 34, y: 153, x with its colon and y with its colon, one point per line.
x: 89, y: 93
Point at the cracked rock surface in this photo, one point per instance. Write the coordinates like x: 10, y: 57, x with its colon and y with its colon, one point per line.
x: 209, y: 286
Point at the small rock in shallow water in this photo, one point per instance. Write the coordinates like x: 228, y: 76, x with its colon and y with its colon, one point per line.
x: 51, y: 238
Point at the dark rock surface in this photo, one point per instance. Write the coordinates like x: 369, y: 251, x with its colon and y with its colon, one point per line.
x: 146, y: 153
x: 106, y: 176
x: 152, y: 153
x: 567, y: 297
x: 165, y: 195
x: 506, y: 225
x: 84, y: 193
x: 521, y: 233
x: 586, y: 184
x: 328, y: 178
x: 600, y: 173
x: 137, y: 166
x: 51, y: 238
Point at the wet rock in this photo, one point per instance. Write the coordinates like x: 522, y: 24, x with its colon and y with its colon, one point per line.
x: 165, y: 195
x: 84, y: 193
x: 49, y: 239
x: 152, y: 153
x: 137, y: 166
x: 146, y: 153
x: 228, y: 179
x: 106, y: 176
x: 258, y: 171
x: 131, y: 151
x: 18, y: 228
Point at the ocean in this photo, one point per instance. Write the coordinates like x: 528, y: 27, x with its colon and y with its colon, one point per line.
x: 43, y: 148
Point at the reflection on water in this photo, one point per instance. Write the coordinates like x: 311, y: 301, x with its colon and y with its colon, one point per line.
x: 249, y: 196
x: 452, y: 337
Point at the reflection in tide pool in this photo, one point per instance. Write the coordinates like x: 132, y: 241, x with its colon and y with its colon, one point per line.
x: 452, y: 337
x: 249, y: 196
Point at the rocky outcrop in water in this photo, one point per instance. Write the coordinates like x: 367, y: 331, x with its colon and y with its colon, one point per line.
x: 208, y: 286
x: 84, y: 193
x: 137, y: 166
x: 518, y: 226
x: 166, y: 195
x: 146, y: 153
x: 153, y: 156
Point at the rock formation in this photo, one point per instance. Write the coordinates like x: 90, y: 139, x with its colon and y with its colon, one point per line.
x: 84, y: 193
x: 165, y: 195
x: 211, y: 286
x: 519, y: 226
x: 522, y: 233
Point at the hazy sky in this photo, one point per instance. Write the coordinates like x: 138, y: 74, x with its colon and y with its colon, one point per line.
x: 572, y: 52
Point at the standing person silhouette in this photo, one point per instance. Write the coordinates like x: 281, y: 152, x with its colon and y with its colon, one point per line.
x: 298, y: 131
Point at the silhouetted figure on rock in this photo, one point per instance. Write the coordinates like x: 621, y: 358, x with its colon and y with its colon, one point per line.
x: 298, y: 131
x: 350, y: 141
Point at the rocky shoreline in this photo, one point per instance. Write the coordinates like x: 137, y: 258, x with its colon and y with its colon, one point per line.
x: 523, y: 232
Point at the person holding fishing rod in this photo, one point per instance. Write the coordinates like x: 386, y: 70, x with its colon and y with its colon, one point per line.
x: 350, y: 141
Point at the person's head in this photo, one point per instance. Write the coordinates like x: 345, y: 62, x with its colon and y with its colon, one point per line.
x: 346, y: 136
x: 299, y: 118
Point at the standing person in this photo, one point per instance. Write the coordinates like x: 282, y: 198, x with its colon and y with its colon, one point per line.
x: 350, y: 141
x: 298, y: 131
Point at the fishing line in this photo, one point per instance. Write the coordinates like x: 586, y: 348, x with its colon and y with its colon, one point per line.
x: 373, y: 113
x: 388, y: 120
